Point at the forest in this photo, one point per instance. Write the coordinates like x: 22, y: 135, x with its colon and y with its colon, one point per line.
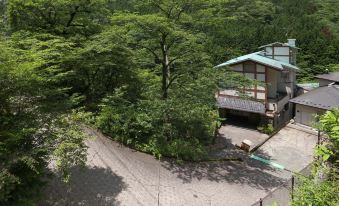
x: 141, y: 71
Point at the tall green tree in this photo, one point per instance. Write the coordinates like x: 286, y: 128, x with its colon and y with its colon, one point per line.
x: 61, y: 17
x: 163, y: 40
x: 35, y: 127
x: 102, y: 64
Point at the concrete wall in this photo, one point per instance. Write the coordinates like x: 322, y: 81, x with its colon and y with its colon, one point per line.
x: 306, y: 115
x: 324, y: 82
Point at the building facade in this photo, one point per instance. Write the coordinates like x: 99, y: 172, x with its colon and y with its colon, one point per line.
x: 275, y: 67
x: 317, y: 101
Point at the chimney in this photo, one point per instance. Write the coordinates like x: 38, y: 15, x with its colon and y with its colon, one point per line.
x: 291, y: 42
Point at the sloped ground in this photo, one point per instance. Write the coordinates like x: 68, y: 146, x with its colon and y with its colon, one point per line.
x: 237, y: 134
x: 117, y: 175
x: 291, y: 147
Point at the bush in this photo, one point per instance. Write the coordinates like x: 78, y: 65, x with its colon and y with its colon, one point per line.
x: 173, y: 128
x: 186, y: 150
x: 266, y: 129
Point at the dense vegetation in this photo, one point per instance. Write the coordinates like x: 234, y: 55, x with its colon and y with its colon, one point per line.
x: 321, y: 188
x: 142, y: 68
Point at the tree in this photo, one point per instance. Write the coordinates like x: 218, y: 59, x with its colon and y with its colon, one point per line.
x: 61, y: 17
x: 102, y: 64
x: 35, y: 127
x: 163, y: 39
x: 329, y: 124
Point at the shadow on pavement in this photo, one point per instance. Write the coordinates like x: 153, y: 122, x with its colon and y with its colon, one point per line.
x: 250, y: 172
x: 88, y: 186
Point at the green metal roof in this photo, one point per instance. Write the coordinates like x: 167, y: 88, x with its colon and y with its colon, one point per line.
x: 260, y: 58
x: 308, y: 86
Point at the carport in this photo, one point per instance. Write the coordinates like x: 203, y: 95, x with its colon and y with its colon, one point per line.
x: 241, y: 112
x: 241, y: 119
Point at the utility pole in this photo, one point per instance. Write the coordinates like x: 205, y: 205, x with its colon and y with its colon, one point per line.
x: 292, y: 195
x: 159, y: 182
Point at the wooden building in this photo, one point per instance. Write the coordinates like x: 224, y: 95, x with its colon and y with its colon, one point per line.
x: 274, y: 66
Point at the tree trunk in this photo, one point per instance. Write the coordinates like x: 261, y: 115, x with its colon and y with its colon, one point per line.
x: 165, y: 71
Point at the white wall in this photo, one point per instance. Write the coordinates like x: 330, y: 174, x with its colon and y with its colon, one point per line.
x: 278, y: 53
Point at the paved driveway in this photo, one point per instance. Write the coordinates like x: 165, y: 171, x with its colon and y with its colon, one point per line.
x: 236, y: 134
x: 116, y: 175
x: 291, y: 147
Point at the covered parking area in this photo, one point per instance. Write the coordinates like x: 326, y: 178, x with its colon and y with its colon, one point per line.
x: 241, y: 112
x: 240, y: 118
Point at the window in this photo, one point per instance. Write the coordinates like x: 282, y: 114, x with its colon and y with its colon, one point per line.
x: 286, y: 106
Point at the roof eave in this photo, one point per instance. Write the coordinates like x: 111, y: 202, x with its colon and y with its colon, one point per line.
x: 294, y: 67
x: 310, y: 105
x: 231, y: 64
x: 328, y: 79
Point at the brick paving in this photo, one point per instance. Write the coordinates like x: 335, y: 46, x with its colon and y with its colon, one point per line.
x: 117, y: 175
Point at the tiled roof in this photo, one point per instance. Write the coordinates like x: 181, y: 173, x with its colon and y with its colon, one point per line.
x: 241, y: 104
x: 260, y: 58
x: 333, y: 76
x: 323, y: 97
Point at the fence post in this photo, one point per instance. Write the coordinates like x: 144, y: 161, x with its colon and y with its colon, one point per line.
x: 292, y: 187
x: 318, y: 137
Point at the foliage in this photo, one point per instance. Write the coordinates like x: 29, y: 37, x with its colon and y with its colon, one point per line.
x: 33, y: 130
x: 322, y: 187
x: 312, y: 192
x: 266, y: 129
x: 329, y: 124
x: 178, y: 127
x: 61, y: 17
x: 162, y: 43
x: 102, y: 64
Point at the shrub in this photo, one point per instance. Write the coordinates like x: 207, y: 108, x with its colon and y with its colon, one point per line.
x: 266, y: 129
x: 174, y: 128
